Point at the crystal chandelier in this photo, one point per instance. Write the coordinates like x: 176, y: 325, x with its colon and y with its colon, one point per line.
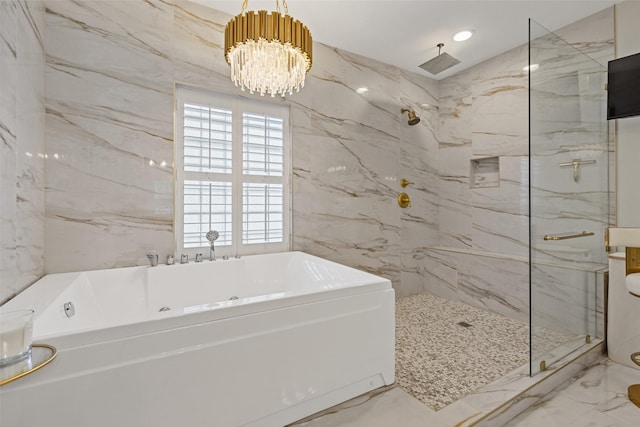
x: 268, y: 52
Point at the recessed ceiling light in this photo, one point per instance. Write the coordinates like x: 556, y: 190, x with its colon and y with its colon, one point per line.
x: 531, y: 67
x: 463, y: 35
x: 362, y: 89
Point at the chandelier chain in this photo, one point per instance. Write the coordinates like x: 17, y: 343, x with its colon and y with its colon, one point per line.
x: 284, y: 5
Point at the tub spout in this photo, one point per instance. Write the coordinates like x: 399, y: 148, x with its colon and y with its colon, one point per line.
x: 153, y: 258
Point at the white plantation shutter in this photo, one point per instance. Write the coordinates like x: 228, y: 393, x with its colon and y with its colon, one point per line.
x: 262, y: 157
x: 207, y: 139
x: 232, y: 173
x: 263, y: 145
x: 262, y: 216
x: 207, y: 206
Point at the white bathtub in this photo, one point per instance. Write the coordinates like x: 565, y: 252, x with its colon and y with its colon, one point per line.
x: 303, y: 335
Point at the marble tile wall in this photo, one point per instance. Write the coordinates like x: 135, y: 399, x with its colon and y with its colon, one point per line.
x: 110, y: 112
x: 482, y: 251
x: 109, y: 81
x: 22, y: 145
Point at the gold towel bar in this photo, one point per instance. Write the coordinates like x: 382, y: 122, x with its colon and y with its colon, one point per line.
x: 570, y: 236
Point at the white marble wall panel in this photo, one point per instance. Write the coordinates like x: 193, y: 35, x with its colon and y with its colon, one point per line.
x: 500, y: 106
x: 23, y: 145
x: 500, y: 214
x: 554, y: 294
x: 8, y: 77
x: 418, y: 164
x: 30, y: 132
x: 480, y: 279
x: 496, y: 284
x: 592, y: 35
x: 109, y: 114
x: 440, y: 271
x: 499, y: 128
x: 197, y: 43
x: 455, y: 151
x: 360, y: 146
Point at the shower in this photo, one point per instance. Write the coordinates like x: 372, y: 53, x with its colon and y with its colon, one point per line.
x: 413, y: 118
x: 442, y: 62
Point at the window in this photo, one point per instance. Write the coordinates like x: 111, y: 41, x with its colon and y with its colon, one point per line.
x: 232, y: 173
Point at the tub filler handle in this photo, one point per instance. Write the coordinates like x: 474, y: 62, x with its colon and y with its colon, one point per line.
x: 184, y: 259
x: 69, y: 309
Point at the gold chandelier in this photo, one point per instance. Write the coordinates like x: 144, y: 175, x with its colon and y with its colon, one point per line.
x: 268, y: 52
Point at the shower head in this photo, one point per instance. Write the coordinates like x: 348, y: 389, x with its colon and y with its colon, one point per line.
x: 413, y: 118
x: 212, y: 235
x: 440, y: 63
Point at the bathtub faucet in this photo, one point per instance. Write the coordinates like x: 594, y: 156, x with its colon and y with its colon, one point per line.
x: 152, y: 257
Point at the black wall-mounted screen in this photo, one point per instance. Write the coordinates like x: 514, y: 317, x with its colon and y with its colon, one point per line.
x: 623, y: 92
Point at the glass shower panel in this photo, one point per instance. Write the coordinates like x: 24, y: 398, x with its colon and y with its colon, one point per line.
x: 569, y: 201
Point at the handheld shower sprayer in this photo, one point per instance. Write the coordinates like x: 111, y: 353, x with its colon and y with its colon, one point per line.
x: 212, y: 236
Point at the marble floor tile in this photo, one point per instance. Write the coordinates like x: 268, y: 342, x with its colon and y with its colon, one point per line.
x: 393, y: 407
x: 595, y: 397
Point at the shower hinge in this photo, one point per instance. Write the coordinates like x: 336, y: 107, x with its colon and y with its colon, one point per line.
x: 587, y: 339
x: 543, y: 366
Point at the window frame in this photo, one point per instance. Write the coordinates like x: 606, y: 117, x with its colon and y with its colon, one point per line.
x: 238, y: 105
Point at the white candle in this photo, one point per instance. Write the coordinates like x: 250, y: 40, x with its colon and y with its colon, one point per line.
x: 16, y: 329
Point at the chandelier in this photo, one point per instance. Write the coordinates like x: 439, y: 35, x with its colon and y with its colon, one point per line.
x: 268, y: 52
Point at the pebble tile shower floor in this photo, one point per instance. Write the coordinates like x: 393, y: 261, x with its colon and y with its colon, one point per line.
x: 447, y: 349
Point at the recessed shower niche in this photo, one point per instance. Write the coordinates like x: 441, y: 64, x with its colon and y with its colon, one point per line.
x: 484, y: 172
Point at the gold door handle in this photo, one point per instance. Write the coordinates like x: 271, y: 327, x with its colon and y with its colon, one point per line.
x: 404, y: 183
x: 404, y: 200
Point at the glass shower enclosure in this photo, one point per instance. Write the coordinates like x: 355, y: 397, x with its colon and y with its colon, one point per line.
x: 568, y: 196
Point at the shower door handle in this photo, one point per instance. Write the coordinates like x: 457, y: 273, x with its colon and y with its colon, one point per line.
x: 569, y: 236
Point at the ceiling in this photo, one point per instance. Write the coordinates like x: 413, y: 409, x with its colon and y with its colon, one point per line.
x: 405, y: 33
